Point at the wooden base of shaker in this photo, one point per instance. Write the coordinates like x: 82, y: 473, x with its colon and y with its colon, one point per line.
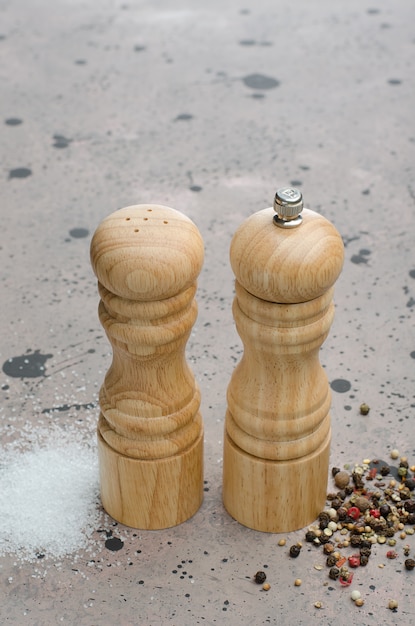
x: 151, y: 495
x: 274, y: 496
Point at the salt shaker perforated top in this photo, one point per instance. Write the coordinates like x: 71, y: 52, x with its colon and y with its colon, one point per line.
x: 150, y: 435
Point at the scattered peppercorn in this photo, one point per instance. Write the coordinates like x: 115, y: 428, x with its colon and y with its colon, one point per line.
x: 393, y: 604
x: 331, y: 560
x: 409, y: 564
x: 364, y: 408
x: 266, y: 586
x: 260, y: 578
x: 342, y: 479
x: 295, y: 551
x: 334, y: 573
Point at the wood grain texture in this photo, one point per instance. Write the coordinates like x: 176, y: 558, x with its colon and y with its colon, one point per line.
x: 150, y: 432
x: 277, y: 426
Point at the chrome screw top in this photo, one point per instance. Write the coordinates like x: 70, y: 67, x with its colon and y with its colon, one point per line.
x: 288, y: 204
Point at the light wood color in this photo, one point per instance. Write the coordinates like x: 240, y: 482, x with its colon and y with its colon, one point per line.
x: 277, y: 426
x: 150, y: 434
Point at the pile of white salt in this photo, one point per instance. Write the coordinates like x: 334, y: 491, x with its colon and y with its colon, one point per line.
x: 49, y: 499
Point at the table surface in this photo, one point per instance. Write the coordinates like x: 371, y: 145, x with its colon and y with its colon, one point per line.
x: 208, y: 108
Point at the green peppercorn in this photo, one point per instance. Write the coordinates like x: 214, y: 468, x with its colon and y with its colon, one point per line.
x: 260, y: 578
x: 364, y: 409
x: 409, y: 564
x: 402, y: 471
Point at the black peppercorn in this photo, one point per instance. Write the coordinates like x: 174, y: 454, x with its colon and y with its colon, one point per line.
x: 384, y: 510
x: 366, y: 544
x: 335, y: 471
x: 411, y: 519
x: 310, y: 536
x: 410, y: 484
x: 336, y: 503
x: 409, y: 506
x: 342, y: 513
x: 324, y: 539
x: 260, y: 578
x: 365, y: 552
x: 334, y: 573
x: 355, y: 541
x: 295, y: 551
x: 384, y: 470
x: 331, y: 560
x: 409, y: 564
x: 404, y: 464
x: 364, y: 560
x: 324, y: 517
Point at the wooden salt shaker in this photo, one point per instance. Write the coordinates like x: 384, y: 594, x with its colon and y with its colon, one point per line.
x: 150, y: 433
x: 277, y: 426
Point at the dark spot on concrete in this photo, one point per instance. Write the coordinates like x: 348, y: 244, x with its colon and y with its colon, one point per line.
x: 361, y: 257
x: 60, y: 141
x: 394, y: 81
x: 29, y: 365
x: 259, y: 81
x: 340, y: 385
x: 114, y: 544
x: 80, y: 62
x: 20, y: 172
x: 412, y: 273
x: 258, y: 96
x: 373, y: 11
x: 66, y: 407
x: 79, y: 233
x: 245, y: 12
x: 410, y: 303
x: 247, y: 42
x: 139, y: 48
x: 412, y: 354
x: 195, y: 188
x: 296, y: 183
x: 13, y: 121
x: 304, y: 167
x: 365, y: 192
x: 183, y: 117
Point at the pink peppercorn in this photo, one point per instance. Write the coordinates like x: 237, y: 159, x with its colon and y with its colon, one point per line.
x: 353, y: 512
x: 374, y: 513
x: 354, y: 560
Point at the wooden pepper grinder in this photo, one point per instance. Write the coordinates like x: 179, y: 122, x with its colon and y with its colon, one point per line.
x: 150, y: 433
x: 277, y: 427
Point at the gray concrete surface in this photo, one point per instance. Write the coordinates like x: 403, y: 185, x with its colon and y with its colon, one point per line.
x: 208, y: 108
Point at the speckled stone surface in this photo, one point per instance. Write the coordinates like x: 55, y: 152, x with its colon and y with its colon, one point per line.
x: 208, y: 108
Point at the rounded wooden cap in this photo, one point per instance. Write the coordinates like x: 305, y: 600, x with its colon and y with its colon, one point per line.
x: 286, y: 265
x: 147, y: 252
